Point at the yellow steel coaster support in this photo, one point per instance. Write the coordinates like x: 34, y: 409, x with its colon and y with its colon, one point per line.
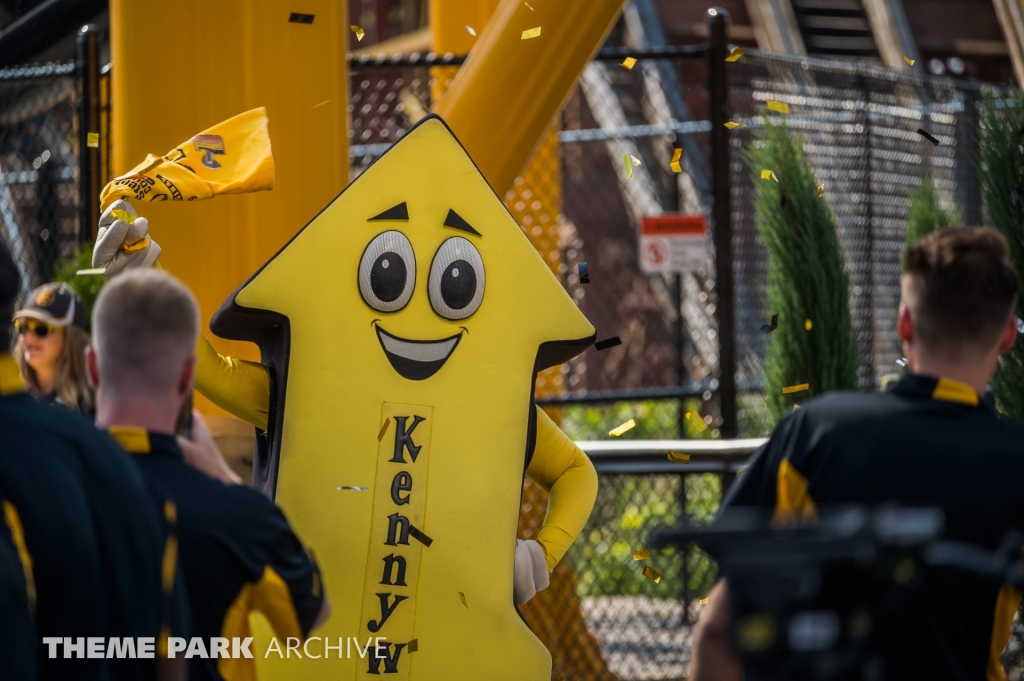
x: 449, y: 20
x: 505, y: 97
x: 450, y: 24
x: 184, y: 66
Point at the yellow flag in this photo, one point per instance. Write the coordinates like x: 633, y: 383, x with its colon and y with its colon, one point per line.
x: 232, y: 157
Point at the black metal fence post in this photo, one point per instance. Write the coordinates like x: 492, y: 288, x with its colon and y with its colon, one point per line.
x: 718, y: 87
x: 89, y: 173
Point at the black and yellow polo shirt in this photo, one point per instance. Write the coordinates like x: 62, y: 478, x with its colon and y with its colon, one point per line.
x: 94, y: 535
x: 238, y: 554
x: 924, y: 443
x: 18, y: 643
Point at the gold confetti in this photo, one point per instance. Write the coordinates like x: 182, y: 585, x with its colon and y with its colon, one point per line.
x: 796, y: 406
x: 123, y: 215
x: 619, y: 430
x: 735, y: 124
x: 808, y: 324
x: 92, y: 139
x: 358, y: 30
x: 909, y: 60
x: 679, y: 457
x: 781, y: 107
x: 629, y: 166
x: 528, y: 5
x: 821, y: 190
x: 472, y: 33
x: 697, y: 421
x: 462, y: 597
x: 531, y: 33
x: 383, y: 429
x: 677, y: 155
x: 628, y: 62
x: 796, y: 388
x: 326, y: 101
x: 89, y: 272
x: 652, y: 574
x: 352, y: 488
x: 735, y: 53
x: 703, y: 601
x: 641, y: 554
x: 636, y: 161
x: 414, y: 645
x: 768, y: 175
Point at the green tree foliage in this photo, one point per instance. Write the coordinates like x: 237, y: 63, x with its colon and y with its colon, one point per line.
x: 1001, y: 174
x: 807, y: 278
x: 926, y: 214
x: 88, y: 286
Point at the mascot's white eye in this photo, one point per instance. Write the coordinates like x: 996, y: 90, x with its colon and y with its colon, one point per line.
x: 456, y: 283
x: 387, y: 272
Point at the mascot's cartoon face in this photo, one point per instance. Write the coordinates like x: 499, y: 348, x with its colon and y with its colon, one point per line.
x: 405, y: 325
x: 455, y: 287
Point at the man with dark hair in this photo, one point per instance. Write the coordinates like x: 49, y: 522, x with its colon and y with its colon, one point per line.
x: 89, y: 533
x: 930, y: 441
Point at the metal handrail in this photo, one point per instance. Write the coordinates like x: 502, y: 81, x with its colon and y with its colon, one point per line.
x: 651, y: 456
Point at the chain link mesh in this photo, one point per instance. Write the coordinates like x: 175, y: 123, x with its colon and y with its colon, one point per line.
x: 38, y: 159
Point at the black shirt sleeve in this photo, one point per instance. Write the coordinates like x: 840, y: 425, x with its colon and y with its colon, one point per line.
x: 17, y: 632
x: 287, y: 586
x: 757, y: 484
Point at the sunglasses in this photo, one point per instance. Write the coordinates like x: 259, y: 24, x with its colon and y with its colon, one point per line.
x: 41, y: 330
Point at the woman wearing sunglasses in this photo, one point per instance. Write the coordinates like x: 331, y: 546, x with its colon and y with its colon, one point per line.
x: 51, y: 347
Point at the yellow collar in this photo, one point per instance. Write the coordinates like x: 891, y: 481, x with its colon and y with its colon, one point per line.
x: 10, y: 377
x: 949, y: 390
x: 132, y: 439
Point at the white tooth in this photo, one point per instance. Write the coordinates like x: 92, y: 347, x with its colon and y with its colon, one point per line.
x: 420, y: 352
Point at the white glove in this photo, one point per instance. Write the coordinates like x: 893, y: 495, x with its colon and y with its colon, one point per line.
x: 123, y: 244
x: 531, y: 571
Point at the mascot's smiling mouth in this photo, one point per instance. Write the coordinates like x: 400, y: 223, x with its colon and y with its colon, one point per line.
x: 416, y: 359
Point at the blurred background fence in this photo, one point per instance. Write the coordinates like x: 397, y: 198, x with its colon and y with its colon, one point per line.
x: 858, y: 123
x: 45, y: 121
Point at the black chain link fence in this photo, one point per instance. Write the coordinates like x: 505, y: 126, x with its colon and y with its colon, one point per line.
x: 40, y: 219
x: 38, y: 157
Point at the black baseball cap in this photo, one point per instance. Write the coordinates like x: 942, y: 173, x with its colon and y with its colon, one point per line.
x: 55, y: 304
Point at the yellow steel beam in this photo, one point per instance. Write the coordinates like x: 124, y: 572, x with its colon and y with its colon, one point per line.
x: 184, y: 66
x: 505, y: 97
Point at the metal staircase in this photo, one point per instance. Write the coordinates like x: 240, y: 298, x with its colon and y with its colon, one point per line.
x: 835, y: 28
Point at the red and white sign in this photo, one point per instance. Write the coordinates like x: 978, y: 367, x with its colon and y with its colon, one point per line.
x: 673, y: 243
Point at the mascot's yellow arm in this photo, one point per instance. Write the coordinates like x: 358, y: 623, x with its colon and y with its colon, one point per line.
x: 558, y: 465
x: 235, y: 385
x: 561, y: 468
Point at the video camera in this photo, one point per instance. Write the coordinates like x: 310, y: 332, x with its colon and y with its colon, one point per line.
x: 817, y: 601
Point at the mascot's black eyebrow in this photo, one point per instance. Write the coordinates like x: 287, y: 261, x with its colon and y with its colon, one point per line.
x: 399, y: 212
x: 456, y: 221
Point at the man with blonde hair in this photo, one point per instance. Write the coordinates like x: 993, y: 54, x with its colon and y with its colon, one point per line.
x: 238, y: 553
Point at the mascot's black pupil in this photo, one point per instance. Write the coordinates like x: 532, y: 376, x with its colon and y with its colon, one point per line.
x: 387, y: 277
x: 458, y: 284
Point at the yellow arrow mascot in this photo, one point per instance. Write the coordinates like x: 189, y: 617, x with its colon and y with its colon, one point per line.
x: 401, y: 332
